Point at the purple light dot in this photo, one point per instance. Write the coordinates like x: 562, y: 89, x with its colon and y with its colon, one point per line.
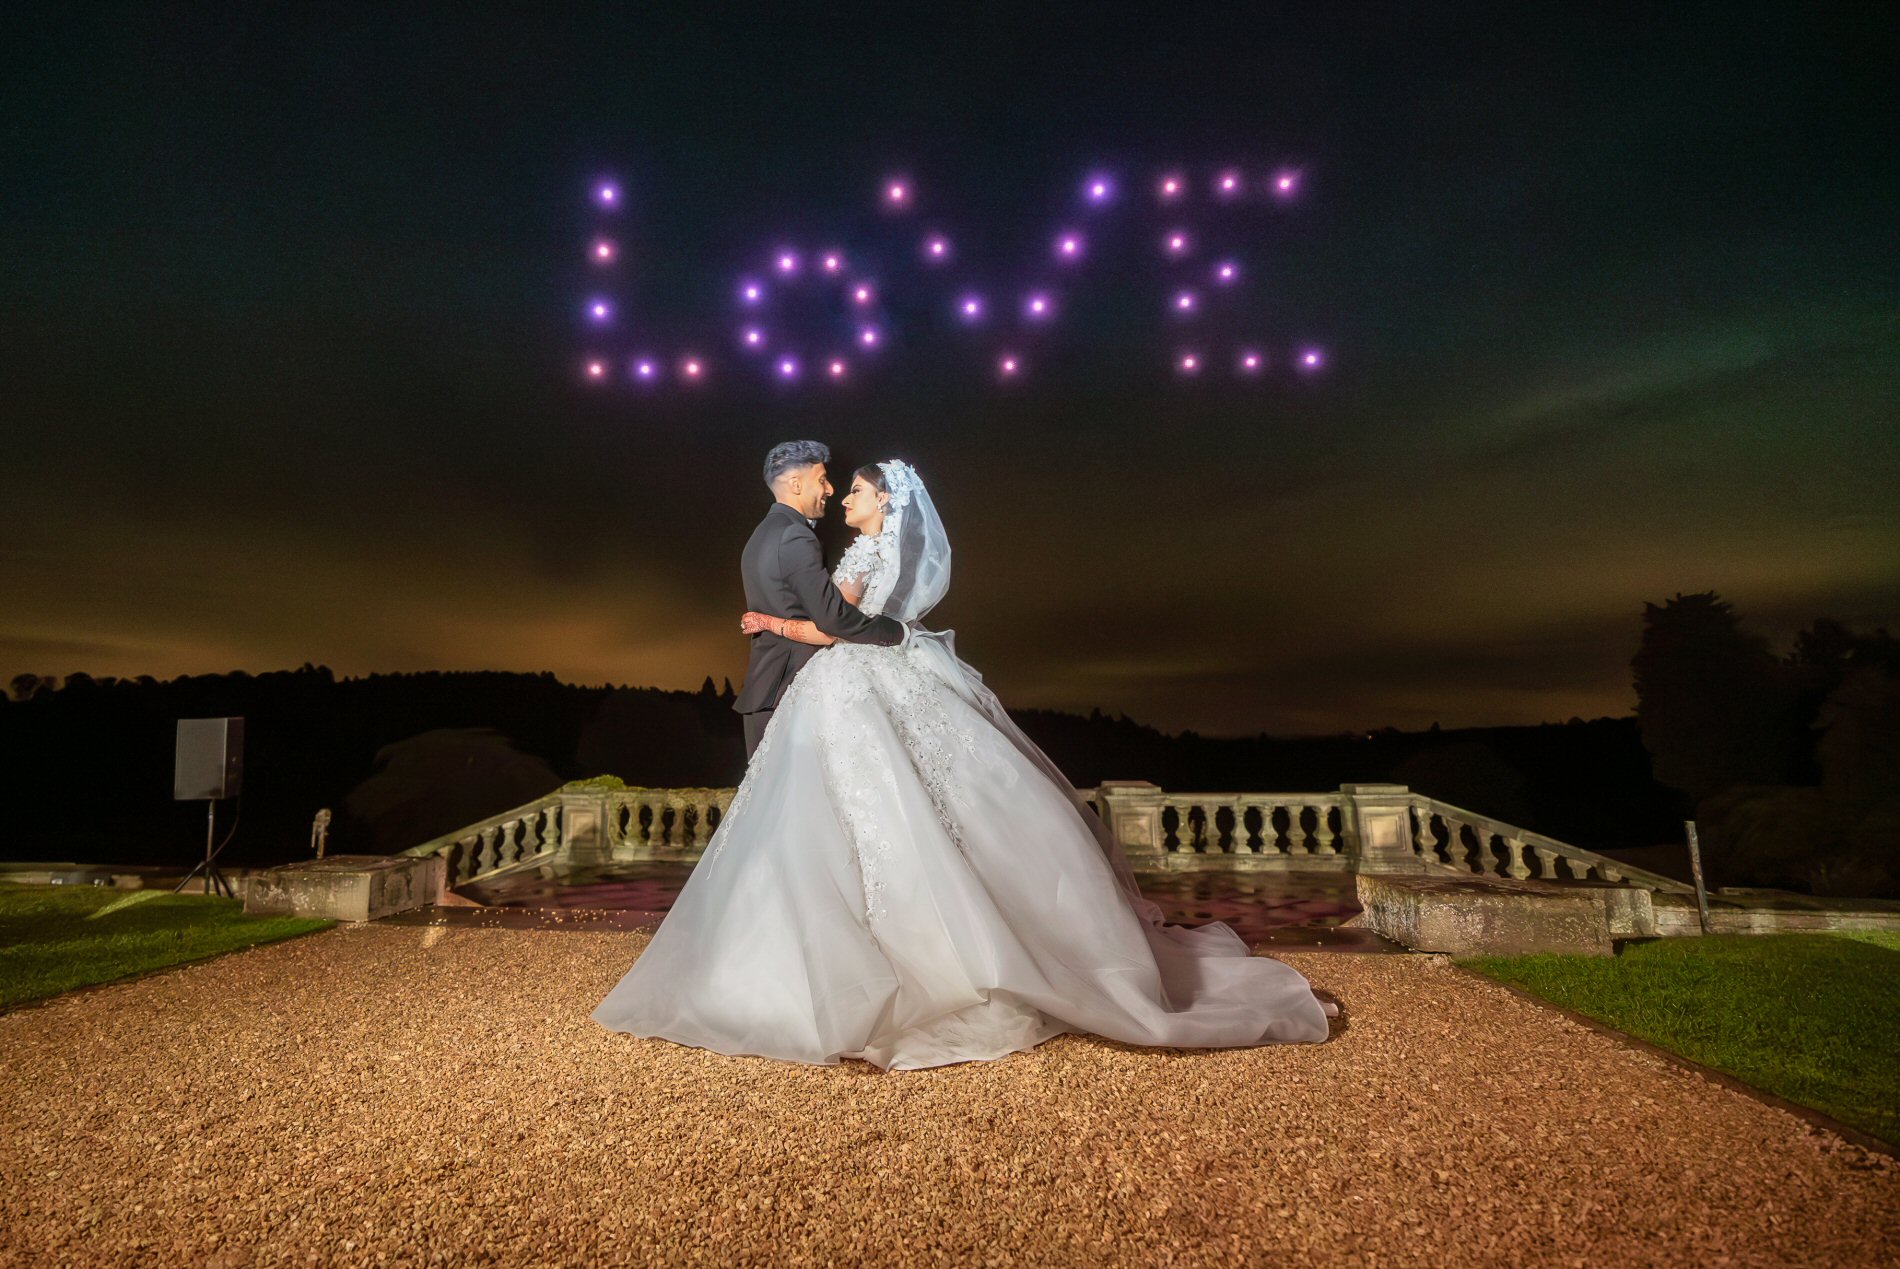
x: 1226, y: 272
x: 936, y: 248
x: 971, y: 308
x: 753, y: 337
x: 603, y: 250
x: 751, y: 292
x: 1098, y: 188
x: 868, y: 336
x: 1069, y: 247
x: 1286, y: 183
x: 608, y: 193
x: 1184, y: 301
x: 897, y: 193
x: 1189, y: 363
x: 788, y: 368
x: 1037, y: 306
x: 862, y: 294
x: 1177, y: 242
x: 600, y: 310
x: 1250, y: 361
x: 788, y: 262
x: 1227, y: 184
x: 1007, y: 365
x: 1170, y: 187
x: 646, y: 370
x: 1312, y: 359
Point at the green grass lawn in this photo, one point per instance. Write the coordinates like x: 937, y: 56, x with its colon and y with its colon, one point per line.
x: 1814, y: 1018
x: 56, y: 938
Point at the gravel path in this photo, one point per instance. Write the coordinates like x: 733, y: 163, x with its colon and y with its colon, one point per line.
x: 407, y: 1095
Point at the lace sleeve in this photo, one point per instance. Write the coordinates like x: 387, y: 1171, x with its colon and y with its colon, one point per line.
x: 856, y: 566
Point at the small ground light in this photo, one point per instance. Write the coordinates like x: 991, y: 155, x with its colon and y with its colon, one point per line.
x: 599, y: 310
x: 833, y: 262
x: 1226, y: 273
x: 596, y: 369
x: 607, y: 194
x: 862, y: 294
x: 752, y: 337
x: 868, y: 337
x: 603, y: 250
x: 1009, y: 365
x: 897, y: 193
x: 970, y: 308
x: 1227, y: 184
x: 1188, y: 363
x: 836, y: 369
x: 751, y: 292
x: 788, y: 367
x: 1286, y: 183
x: 1037, y: 306
x: 1312, y: 359
x: 1177, y: 242
x: 646, y: 370
x: 1249, y: 362
x: 788, y: 262
x: 1098, y: 189
x: 1185, y: 302
x: 692, y: 369
x: 1170, y: 187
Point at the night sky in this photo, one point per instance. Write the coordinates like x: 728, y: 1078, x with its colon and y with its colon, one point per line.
x: 290, y: 308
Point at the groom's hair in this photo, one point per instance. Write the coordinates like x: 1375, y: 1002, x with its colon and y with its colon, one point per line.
x: 789, y: 454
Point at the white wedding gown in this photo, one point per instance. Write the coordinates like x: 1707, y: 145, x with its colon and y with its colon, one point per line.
x: 903, y: 877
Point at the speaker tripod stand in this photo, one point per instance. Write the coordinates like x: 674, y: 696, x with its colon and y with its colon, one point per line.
x: 213, y: 878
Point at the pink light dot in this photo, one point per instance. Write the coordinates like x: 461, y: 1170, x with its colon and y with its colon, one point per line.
x: 596, y: 369
x: 1069, y: 246
x: 833, y: 263
x: 1190, y: 363
x: 897, y: 194
x: 936, y: 248
x: 1171, y: 187
x: 1008, y: 365
x: 1227, y: 271
x: 691, y: 368
x: 754, y: 337
x: 787, y: 262
x: 1184, y: 302
x: 603, y: 250
x: 1177, y: 243
x: 1249, y: 361
x: 868, y: 337
x: 861, y: 295
x: 1286, y: 182
x: 1229, y: 183
x: 1037, y: 306
x: 1312, y: 359
x: 836, y: 369
x: 971, y: 306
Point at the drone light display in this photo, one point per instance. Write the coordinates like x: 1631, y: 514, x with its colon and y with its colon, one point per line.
x: 774, y: 343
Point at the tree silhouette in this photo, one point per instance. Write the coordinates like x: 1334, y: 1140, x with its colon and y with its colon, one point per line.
x: 1714, y: 706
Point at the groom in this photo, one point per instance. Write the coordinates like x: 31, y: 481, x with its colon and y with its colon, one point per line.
x: 784, y: 574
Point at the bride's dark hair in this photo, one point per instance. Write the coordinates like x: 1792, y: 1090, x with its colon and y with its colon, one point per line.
x: 872, y: 475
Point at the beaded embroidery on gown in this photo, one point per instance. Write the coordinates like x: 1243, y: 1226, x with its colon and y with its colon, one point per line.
x: 905, y: 878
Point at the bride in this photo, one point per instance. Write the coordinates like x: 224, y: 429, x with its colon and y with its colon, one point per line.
x: 905, y: 878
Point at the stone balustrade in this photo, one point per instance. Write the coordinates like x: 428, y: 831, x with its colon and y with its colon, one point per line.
x: 1465, y: 841
x: 1362, y: 828
x: 527, y: 834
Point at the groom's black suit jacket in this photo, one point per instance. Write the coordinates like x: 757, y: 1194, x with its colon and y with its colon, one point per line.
x: 784, y: 573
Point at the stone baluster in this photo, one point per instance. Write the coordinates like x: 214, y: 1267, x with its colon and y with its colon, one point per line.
x: 485, y: 851
x: 531, y: 834
x: 1546, y: 863
x: 1296, y: 821
x: 1519, y: 866
x: 1327, y: 841
x: 1423, y: 834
